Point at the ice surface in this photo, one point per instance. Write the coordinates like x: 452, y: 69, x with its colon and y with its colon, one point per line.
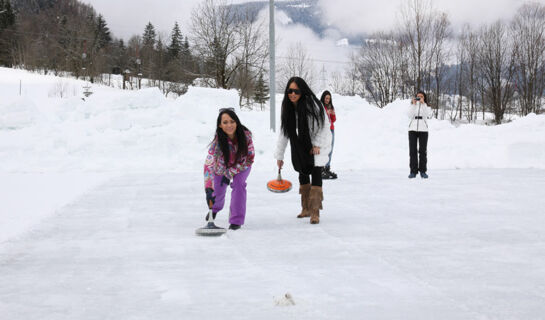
x: 465, y: 244
x: 101, y: 198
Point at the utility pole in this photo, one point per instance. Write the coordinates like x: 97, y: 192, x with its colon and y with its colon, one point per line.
x: 138, y: 64
x: 272, y: 81
x: 323, y: 77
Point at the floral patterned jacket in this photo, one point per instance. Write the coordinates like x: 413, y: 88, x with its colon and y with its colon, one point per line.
x: 215, y: 164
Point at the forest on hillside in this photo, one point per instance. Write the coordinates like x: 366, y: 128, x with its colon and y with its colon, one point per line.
x: 497, y: 68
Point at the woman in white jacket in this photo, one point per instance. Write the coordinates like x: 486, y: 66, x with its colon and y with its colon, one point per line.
x: 419, y: 113
x: 306, y: 127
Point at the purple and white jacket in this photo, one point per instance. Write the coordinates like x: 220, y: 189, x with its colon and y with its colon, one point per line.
x: 215, y: 164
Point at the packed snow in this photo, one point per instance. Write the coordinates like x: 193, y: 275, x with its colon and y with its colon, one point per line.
x: 101, y: 198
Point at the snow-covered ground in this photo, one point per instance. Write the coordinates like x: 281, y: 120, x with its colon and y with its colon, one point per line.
x: 101, y: 197
x: 466, y: 244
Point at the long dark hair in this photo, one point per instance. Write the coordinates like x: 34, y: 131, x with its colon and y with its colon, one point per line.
x: 424, y: 94
x: 322, y: 99
x: 307, y: 106
x: 240, y: 134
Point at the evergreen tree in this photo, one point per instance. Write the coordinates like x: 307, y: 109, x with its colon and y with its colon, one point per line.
x: 121, y: 57
x: 175, y: 47
x: 261, y: 91
x: 159, y: 59
x: 7, y: 16
x: 149, y: 37
x: 102, y: 33
x: 187, y: 59
x: 148, y: 51
x: 7, y: 34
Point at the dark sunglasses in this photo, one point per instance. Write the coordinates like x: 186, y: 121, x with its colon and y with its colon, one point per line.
x: 296, y: 91
x: 226, y: 109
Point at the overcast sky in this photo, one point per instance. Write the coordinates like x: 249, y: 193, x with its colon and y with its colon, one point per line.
x: 378, y: 15
x: 129, y: 17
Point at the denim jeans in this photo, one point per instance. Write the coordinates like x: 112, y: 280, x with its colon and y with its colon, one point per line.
x: 332, y: 144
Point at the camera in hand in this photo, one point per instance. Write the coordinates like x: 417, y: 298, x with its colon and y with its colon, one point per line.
x: 417, y: 99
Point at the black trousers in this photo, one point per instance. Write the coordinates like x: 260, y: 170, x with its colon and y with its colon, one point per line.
x: 316, y: 177
x: 420, y: 138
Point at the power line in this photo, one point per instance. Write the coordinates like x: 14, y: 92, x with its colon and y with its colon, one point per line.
x: 317, y: 60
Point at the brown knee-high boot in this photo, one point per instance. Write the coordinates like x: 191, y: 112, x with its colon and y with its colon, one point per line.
x: 304, y: 191
x: 316, y: 197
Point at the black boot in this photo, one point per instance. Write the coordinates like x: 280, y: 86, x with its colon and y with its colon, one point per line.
x: 234, y: 226
x: 332, y: 175
x: 325, y: 173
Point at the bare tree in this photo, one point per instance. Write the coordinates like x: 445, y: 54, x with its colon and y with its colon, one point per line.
x: 252, y: 55
x: 337, y: 82
x: 379, y: 68
x: 214, y: 29
x: 297, y: 62
x: 354, y: 85
x: 496, y: 68
x: 440, y: 54
x: 528, y: 33
x: 468, y: 46
x: 417, y: 34
x: 424, y: 32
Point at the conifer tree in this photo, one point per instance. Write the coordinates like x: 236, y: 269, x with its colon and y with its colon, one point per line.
x: 261, y: 91
x: 7, y: 16
x: 7, y: 38
x: 175, y: 47
x: 149, y: 40
x: 102, y: 33
x: 149, y: 37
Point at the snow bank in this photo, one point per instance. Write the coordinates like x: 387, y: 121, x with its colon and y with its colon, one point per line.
x: 27, y: 199
x: 136, y: 131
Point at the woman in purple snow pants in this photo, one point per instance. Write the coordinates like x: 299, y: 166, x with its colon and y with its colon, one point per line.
x: 229, y: 158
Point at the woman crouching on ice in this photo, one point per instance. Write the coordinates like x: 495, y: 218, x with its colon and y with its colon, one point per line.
x: 305, y: 125
x: 230, y: 157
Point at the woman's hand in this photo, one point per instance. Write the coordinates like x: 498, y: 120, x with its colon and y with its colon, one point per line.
x: 280, y: 163
x: 315, y: 150
x: 210, y: 198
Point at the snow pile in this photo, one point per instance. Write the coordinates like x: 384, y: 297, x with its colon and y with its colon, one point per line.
x: 367, y: 137
x: 142, y: 131
x: 18, y: 114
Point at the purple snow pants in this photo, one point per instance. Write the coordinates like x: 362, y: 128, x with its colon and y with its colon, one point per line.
x: 238, y: 196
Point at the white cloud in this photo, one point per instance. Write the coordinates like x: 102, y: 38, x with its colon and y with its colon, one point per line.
x: 323, y: 53
x: 358, y: 16
x: 128, y: 17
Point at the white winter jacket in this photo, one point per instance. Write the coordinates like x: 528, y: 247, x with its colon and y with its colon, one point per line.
x: 320, y: 137
x: 419, y: 113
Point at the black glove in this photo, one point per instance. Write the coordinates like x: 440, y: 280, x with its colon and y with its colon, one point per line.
x: 210, y: 199
x: 225, y: 180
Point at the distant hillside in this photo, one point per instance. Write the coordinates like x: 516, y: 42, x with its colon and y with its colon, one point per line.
x: 304, y: 12
x: 33, y: 6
